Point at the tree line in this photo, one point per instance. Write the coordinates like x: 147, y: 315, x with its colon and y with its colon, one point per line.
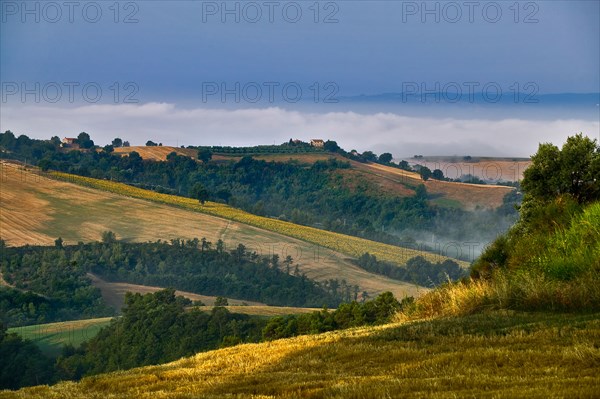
x: 417, y: 270
x: 51, y: 282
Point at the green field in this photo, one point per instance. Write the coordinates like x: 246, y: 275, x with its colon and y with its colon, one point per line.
x: 52, y: 337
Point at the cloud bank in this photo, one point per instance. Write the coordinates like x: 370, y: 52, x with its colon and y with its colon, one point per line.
x: 402, y: 135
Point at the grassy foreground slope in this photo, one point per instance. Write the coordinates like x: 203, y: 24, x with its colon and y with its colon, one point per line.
x: 501, y: 354
x: 36, y: 210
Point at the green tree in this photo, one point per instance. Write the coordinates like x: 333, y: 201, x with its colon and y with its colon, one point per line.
x: 84, y: 140
x: 151, y: 143
x: 573, y: 170
x: 369, y: 156
x: 22, y: 362
x: 437, y: 174
x: 117, y: 142
x: 421, y: 192
x: 204, y: 154
x: 108, y: 237
x: 200, y: 193
x: 425, y: 173
x: 331, y: 146
x: 386, y: 157
x: 221, y: 301
x: 404, y: 165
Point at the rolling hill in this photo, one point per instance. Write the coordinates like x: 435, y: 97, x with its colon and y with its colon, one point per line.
x: 36, y: 210
x: 382, y: 178
x: 495, y: 355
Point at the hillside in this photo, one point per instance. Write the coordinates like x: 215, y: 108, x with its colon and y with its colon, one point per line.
x: 402, y: 183
x: 468, y: 196
x: 383, y: 178
x: 494, y: 355
x: 497, y: 168
x: 37, y: 210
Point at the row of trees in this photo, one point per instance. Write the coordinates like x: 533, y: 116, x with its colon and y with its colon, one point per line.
x: 352, y: 314
x: 51, y: 282
x: 49, y: 286
x: 417, y: 270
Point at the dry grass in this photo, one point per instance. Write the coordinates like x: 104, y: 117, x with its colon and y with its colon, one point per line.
x: 517, y: 291
x: 37, y: 210
x: 156, y: 153
x: 483, y: 167
x: 470, y: 196
x: 492, y: 355
x: 349, y: 245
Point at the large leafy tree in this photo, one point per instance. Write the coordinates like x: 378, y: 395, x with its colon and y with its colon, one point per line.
x: 84, y: 140
x: 386, y: 157
x: 200, y: 193
x: 204, y: 154
x: 558, y: 185
x: 331, y: 146
x: 572, y: 170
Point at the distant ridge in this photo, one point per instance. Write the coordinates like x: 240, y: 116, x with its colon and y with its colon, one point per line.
x: 455, y: 97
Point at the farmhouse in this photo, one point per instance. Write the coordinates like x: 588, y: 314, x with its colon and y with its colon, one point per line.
x: 69, y: 142
x: 317, y: 143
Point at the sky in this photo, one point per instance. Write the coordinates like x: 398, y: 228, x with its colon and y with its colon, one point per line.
x: 246, y: 73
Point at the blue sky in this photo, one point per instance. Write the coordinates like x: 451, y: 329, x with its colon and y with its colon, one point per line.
x: 171, y: 50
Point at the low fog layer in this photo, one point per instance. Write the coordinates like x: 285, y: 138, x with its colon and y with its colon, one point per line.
x: 379, y: 132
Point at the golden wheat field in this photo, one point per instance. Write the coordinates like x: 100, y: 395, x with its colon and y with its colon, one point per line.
x: 35, y: 209
x: 156, y: 153
x: 349, y: 245
x: 492, y: 355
